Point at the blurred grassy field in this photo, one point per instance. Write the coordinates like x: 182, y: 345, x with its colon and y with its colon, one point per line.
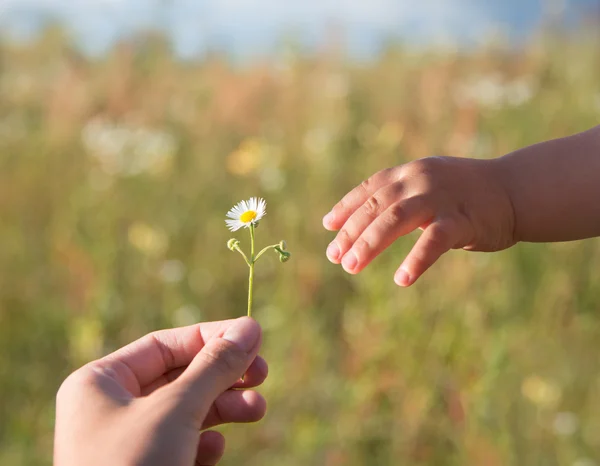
x: 115, y: 177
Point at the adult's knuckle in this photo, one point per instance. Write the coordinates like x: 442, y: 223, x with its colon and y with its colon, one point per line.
x: 76, y: 382
x: 66, y: 387
x: 387, y: 173
x: 224, y: 356
x: 166, y: 353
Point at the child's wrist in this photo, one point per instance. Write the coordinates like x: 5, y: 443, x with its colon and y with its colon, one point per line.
x: 499, y: 171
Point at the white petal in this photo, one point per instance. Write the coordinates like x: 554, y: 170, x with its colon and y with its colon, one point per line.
x: 236, y: 211
x: 233, y: 225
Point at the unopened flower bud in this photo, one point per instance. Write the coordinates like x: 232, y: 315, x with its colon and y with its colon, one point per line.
x: 284, y: 256
x: 282, y: 245
x: 233, y: 244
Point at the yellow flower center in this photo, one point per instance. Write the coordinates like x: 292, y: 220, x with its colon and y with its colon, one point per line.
x: 248, y: 216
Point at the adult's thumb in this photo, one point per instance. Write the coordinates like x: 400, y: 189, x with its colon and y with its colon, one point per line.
x: 220, y: 363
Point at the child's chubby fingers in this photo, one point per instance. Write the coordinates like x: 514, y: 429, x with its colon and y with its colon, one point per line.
x: 365, y: 215
x: 342, y: 211
x: 397, y: 220
x: 437, y: 239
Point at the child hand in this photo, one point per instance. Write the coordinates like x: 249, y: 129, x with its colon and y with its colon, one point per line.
x: 458, y: 203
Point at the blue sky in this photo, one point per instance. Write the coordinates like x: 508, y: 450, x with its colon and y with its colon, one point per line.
x: 253, y: 27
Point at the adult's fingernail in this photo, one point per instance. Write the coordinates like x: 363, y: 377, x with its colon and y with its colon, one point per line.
x: 327, y: 219
x: 349, y: 261
x: 333, y: 251
x: 402, y: 278
x: 244, y: 332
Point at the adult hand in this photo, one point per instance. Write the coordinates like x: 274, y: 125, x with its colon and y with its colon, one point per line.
x: 147, y: 403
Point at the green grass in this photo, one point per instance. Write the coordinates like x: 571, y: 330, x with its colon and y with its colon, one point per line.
x: 472, y: 366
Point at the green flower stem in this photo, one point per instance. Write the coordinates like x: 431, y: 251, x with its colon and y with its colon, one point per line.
x: 251, y: 265
x: 237, y: 248
x: 273, y: 246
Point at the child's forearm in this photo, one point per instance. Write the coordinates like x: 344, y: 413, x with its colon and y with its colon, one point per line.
x: 554, y: 187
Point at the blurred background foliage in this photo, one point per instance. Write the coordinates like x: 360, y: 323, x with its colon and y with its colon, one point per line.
x: 115, y: 176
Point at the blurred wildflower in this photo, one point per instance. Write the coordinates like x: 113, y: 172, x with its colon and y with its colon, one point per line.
x: 172, y: 271
x: 584, y: 462
x: 272, y: 178
x: 148, y: 240
x: 201, y: 280
x: 17, y: 85
x: 367, y: 133
x: 182, y: 108
x: 487, y: 91
x: 273, y: 317
x: 596, y: 102
x: 334, y: 86
x: 541, y: 392
x: 12, y: 129
x: 99, y: 180
x: 390, y: 134
x: 518, y: 92
x: 493, y: 92
x: 480, y: 148
x: 85, y: 339
x: 246, y: 159
x: 187, y: 314
x: 128, y: 150
x: 318, y: 139
x: 283, y: 72
x: 565, y: 424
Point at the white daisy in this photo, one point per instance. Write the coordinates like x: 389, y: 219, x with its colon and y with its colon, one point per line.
x: 246, y: 213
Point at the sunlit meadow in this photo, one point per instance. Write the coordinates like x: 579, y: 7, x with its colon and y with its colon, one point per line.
x: 115, y: 177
